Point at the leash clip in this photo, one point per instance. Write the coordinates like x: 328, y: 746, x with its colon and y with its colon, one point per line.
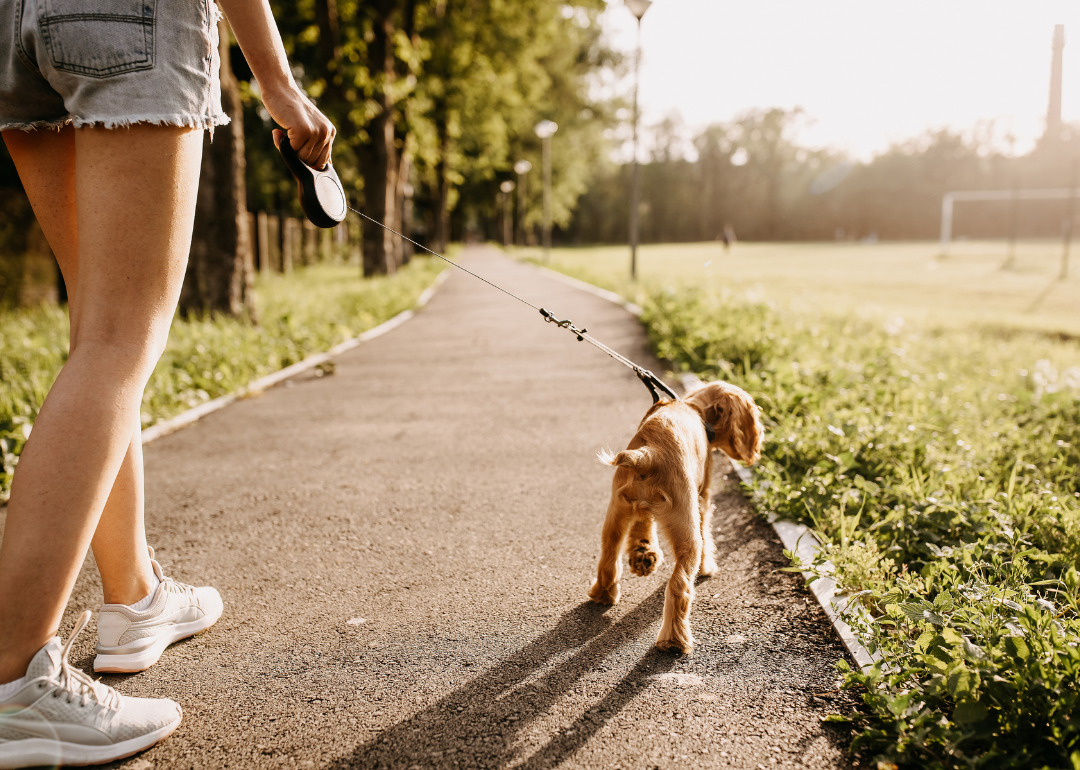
x: 652, y: 382
x: 565, y: 324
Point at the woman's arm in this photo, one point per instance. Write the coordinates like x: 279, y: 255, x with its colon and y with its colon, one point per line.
x: 310, y: 133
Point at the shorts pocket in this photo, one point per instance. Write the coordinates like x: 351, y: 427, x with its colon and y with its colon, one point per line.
x: 105, y: 37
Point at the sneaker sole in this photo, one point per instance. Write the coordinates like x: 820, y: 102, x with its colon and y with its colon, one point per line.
x: 140, y: 661
x: 34, y: 752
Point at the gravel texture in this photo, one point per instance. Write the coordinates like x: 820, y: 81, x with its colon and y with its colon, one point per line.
x: 404, y: 549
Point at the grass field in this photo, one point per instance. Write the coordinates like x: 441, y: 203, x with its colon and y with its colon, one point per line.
x: 884, y: 279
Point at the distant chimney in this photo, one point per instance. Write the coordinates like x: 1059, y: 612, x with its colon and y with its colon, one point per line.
x: 1053, y: 115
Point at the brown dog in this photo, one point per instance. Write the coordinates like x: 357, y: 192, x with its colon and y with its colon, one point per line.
x: 663, y: 478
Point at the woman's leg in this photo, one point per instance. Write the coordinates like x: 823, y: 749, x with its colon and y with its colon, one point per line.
x: 120, y: 539
x: 134, y: 193
x: 46, y: 162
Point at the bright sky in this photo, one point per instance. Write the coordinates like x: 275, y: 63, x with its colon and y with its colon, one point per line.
x: 867, y: 72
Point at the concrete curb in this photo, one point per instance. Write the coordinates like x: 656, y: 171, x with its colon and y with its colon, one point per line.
x: 800, y: 540
x: 596, y: 291
x: 256, y: 386
x: 797, y: 538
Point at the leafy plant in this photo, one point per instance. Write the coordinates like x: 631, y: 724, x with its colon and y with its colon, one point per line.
x: 942, y: 470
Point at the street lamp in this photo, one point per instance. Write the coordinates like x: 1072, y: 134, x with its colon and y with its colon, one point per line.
x: 522, y: 168
x: 638, y: 8
x: 507, y: 187
x: 545, y: 129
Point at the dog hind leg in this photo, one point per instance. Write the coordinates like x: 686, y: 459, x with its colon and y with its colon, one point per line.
x: 645, y: 555
x: 605, y: 590
x: 684, y: 533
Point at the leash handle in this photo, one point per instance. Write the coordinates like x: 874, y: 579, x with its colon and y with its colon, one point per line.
x: 321, y: 195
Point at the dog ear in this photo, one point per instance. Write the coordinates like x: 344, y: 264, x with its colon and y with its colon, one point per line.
x: 711, y: 402
x: 734, y: 417
x: 745, y: 427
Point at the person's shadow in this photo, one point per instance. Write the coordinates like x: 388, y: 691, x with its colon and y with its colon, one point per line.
x: 481, y: 719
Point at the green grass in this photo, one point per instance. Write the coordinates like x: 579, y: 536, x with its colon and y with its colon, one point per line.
x: 875, y: 281
x: 941, y: 468
x: 303, y: 313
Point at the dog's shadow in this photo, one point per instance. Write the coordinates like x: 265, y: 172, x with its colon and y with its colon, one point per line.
x: 482, y: 719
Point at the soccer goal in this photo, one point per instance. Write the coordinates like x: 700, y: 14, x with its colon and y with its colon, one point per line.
x: 950, y: 198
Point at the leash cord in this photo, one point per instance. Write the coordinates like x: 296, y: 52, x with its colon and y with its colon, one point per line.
x: 651, y: 380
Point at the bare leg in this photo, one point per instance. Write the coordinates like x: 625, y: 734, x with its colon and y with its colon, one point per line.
x: 46, y: 162
x: 120, y: 539
x: 135, y: 198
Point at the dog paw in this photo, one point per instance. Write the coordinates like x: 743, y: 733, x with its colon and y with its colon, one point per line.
x: 644, y: 560
x: 604, y: 594
x: 675, y: 645
x: 708, y: 568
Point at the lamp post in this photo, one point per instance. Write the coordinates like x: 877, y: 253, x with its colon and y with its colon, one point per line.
x: 522, y: 169
x: 545, y: 129
x: 507, y: 187
x: 638, y: 8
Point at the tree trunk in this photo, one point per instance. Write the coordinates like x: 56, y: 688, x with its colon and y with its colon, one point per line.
x: 219, y: 277
x: 440, y: 195
x: 402, y: 248
x: 378, y: 159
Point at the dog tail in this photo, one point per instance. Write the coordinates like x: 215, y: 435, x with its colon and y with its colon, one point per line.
x: 638, y: 459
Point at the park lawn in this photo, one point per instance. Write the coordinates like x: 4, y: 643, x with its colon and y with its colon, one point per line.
x: 302, y: 313
x: 905, y: 280
x: 940, y: 466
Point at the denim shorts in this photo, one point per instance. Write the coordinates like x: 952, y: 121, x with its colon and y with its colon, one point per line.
x: 109, y: 63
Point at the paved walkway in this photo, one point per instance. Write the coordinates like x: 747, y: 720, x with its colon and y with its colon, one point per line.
x: 404, y: 549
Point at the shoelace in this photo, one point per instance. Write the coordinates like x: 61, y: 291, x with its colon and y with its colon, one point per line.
x: 171, y: 586
x: 177, y: 587
x: 174, y: 586
x: 77, y: 684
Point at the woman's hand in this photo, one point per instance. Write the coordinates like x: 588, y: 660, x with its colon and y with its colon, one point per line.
x: 309, y: 132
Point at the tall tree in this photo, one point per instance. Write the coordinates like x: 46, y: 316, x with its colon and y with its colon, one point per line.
x: 220, y: 275
x: 495, y: 69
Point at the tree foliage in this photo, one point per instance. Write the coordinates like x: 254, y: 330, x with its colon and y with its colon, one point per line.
x: 752, y: 173
x: 436, y: 100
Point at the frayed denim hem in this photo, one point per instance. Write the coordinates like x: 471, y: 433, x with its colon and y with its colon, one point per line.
x: 53, y: 125
x: 202, y: 122
x: 207, y: 123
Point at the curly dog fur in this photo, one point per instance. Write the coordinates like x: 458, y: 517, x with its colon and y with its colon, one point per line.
x: 662, y: 480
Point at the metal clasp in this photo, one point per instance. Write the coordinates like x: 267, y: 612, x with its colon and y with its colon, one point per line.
x: 565, y: 323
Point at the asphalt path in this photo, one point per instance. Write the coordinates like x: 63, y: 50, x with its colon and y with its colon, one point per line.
x: 404, y: 549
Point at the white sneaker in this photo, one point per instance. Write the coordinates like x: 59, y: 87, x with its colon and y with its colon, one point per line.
x: 63, y: 717
x: 130, y: 641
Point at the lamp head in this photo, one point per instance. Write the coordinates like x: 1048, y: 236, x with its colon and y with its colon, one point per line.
x: 546, y: 128
x: 638, y: 7
x: 507, y: 186
x: 522, y: 167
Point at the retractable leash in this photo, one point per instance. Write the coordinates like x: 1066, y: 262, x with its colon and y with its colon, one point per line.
x: 324, y: 203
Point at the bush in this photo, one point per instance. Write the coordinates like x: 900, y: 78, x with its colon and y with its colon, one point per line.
x: 942, y: 472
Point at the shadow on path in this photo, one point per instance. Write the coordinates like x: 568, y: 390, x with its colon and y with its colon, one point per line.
x: 478, y: 725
